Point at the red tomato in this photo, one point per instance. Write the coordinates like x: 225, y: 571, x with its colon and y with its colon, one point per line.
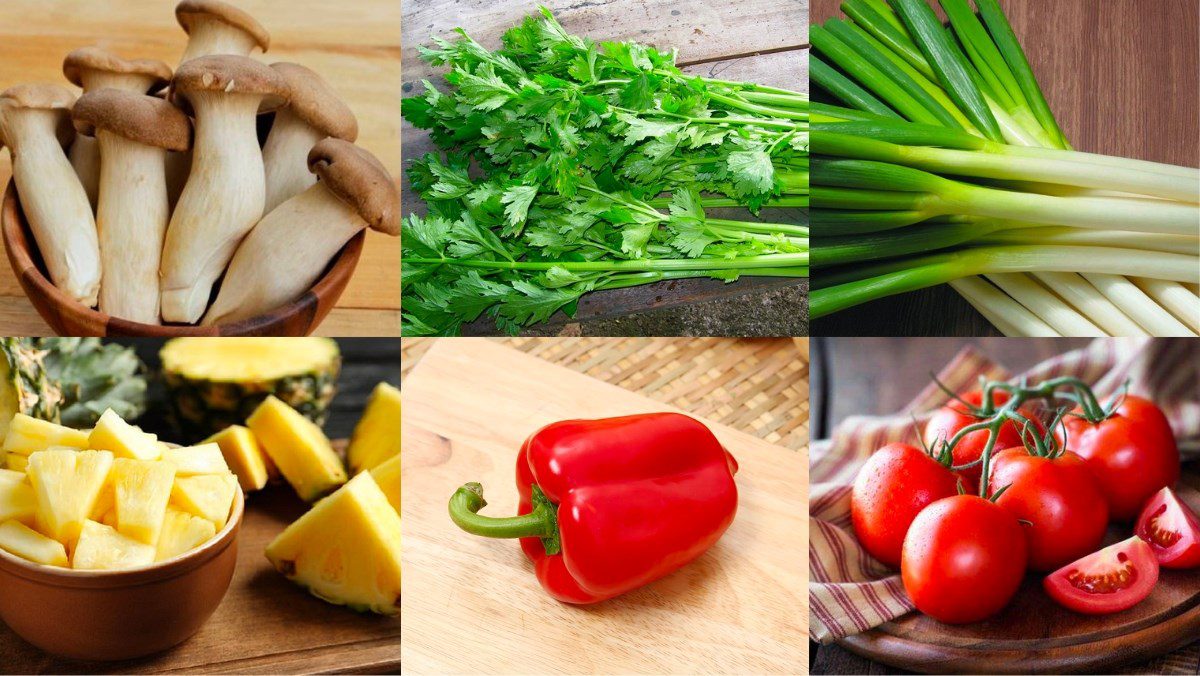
x: 949, y: 419
x: 964, y: 559
x: 1171, y: 529
x: 1066, y: 511
x: 1132, y: 454
x: 896, y: 483
x: 1111, y: 580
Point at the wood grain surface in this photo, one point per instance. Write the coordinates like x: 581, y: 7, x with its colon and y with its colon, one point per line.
x: 353, y: 45
x: 265, y: 625
x: 876, y: 376
x: 752, y: 40
x: 472, y: 605
x: 1122, y: 77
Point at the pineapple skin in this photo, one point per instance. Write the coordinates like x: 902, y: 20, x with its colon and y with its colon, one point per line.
x: 201, y: 407
x: 346, y: 549
x: 25, y: 385
x: 376, y: 437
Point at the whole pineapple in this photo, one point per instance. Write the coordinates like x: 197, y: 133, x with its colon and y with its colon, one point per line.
x: 218, y: 382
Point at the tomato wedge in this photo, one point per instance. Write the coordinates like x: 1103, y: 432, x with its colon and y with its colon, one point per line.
x: 1171, y: 529
x: 1113, y: 579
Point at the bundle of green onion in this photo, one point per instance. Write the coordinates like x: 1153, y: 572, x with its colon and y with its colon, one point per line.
x: 566, y: 167
x: 947, y: 166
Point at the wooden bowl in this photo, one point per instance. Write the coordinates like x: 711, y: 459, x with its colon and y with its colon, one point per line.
x: 70, y: 318
x: 118, y: 615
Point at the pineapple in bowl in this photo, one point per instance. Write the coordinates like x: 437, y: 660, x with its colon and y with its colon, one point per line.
x: 112, y: 544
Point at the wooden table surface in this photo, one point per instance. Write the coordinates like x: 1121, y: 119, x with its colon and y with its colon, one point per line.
x: 353, y: 45
x: 265, y: 624
x: 877, y: 376
x: 1122, y: 77
x: 754, y: 40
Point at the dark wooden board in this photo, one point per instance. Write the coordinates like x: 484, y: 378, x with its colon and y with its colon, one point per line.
x: 265, y: 624
x: 1122, y: 77
x: 873, y: 376
x: 724, y: 40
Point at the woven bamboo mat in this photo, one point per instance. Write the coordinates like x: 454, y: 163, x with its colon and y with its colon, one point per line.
x: 758, y: 386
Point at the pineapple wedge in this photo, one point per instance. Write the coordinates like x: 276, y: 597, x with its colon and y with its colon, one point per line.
x: 242, y: 454
x: 299, y: 447
x: 17, y: 538
x: 12, y: 476
x: 124, y: 440
x: 346, y: 549
x: 182, y: 532
x: 103, y: 548
x: 16, y: 463
x: 27, y: 434
x: 193, y: 460
x: 387, y: 476
x: 206, y: 495
x: 377, y: 435
x: 141, y: 489
x: 67, y: 485
x: 17, y: 502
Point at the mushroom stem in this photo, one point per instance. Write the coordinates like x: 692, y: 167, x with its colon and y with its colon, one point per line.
x: 284, y: 255
x: 179, y: 165
x: 285, y: 157
x: 131, y: 217
x: 85, y: 159
x: 54, y: 202
x: 221, y: 202
x: 210, y: 36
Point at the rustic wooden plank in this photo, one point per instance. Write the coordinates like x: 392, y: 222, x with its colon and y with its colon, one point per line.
x: 353, y: 45
x: 1122, y: 77
x: 352, y: 322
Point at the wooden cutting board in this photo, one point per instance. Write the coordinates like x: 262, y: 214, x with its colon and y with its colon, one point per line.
x: 265, y: 624
x: 473, y: 605
x: 1036, y: 635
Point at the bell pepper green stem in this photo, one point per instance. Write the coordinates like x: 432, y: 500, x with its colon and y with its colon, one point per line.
x: 541, y: 522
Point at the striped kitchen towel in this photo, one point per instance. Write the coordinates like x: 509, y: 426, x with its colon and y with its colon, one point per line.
x: 850, y: 592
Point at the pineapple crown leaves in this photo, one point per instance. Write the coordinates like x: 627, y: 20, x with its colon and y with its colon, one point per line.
x: 93, y: 376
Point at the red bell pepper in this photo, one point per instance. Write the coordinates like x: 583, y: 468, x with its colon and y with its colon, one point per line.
x: 610, y: 505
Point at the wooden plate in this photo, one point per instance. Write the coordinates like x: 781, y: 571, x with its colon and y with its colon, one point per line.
x: 1036, y: 635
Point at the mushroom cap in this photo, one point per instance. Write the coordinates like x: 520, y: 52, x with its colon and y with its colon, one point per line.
x: 141, y: 118
x: 313, y: 101
x: 357, y: 178
x: 43, y: 96
x: 97, y: 58
x: 234, y: 74
x: 188, y: 11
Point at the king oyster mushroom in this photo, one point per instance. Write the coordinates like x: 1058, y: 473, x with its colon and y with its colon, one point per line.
x: 33, y: 119
x: 134, y: 132
x: 313, y: 113
x: 285, y: 254
x: 215, y: 27
x: 226, y: 190
x: 95, y: 68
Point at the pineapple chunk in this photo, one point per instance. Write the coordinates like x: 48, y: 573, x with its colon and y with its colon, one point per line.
x: 124, y: 440
x: 182, y: 532
x: 17, y: 502
x: 243, y: 454
x: 105, y: 502
x: 192, y: 460
x: 298, y: 447
x: 387, y: 476
x: 206, y: 495
x: 346, y: 549
x: 12, y: 476
x: 17, y: 538
x: 142, y: 489
x: 67, y: 485
x: 27, y: 434
x: 103, y: 548
x: 108, y: 518
x: 377, y: 435
x: 16, y: 463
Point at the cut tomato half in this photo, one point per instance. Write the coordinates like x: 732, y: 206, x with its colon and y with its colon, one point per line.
x: 1171, y: 529
x: 1113, y: 579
